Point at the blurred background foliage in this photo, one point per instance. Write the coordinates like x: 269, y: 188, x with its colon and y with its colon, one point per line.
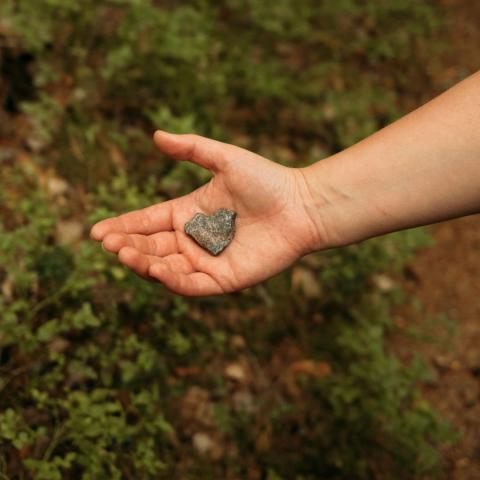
x: 105, y: 376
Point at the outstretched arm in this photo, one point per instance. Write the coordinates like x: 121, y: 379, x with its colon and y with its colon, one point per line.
x: 421, y: 169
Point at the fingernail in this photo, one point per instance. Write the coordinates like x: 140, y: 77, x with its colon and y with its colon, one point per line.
x: 163, y: 133
x: 95, y: 234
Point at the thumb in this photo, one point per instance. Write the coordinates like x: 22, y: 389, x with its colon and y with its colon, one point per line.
x: 203, y: 151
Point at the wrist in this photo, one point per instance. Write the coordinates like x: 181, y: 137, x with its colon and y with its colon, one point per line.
x: 318, y: 201
x: 339, y: 203
x: 318, y: 206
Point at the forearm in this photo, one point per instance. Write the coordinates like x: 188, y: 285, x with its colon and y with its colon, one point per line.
x: 422, y: 169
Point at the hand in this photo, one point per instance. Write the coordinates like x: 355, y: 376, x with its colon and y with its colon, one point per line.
x: 273, y: 227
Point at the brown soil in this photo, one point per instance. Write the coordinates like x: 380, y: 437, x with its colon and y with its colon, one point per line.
x: 446, y: 280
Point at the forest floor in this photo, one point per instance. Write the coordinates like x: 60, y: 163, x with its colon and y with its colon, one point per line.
x: 446, y: 280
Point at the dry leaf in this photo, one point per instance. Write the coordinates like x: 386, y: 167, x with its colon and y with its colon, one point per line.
x: 304, y: 280
x: 235, y: 372
x: 312, y: 368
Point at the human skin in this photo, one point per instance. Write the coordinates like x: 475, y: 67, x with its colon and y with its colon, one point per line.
x: 422, y: 169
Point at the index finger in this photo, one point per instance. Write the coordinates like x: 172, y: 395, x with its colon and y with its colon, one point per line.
x: 153, y: 219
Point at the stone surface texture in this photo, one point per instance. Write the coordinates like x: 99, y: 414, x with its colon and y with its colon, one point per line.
x: 214, y: 232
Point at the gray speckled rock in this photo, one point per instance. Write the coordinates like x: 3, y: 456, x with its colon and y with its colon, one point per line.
x: 213, y: 232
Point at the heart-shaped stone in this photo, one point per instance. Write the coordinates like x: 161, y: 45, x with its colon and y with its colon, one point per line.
x: 213, y: 232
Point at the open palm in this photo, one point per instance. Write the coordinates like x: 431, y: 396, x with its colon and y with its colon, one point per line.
x: 273, y: 227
